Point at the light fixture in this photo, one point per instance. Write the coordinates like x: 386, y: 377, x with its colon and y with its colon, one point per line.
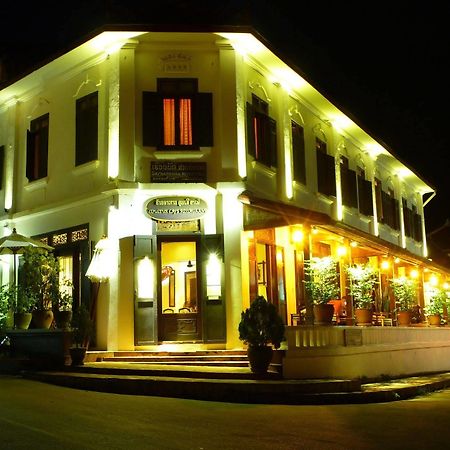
x: 353, y: 244
x: 385, y: 264
x: 189, y: 264
x: 414, y: 273
x: 297, y: 235
x: 341, y: 250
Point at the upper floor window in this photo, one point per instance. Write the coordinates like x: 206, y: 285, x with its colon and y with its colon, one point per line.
x: 37, y: 148
x: 364, y: 187
x: 2, y: 164
x: 326, y: 174
x: 177, y: 116
x: 390, y: 209
x: 412, y: 221
x: 298, y: 152
x: 86, y: 135
x: 348, y: 184
x: 261, y: 133
x: 378, y: 201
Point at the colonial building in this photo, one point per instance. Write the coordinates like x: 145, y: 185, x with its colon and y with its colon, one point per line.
x: 215, y: 170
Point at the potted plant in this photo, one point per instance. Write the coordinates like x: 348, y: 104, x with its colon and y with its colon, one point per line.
x: 82, y: 331
x: 261, y: 328
x: 405, y: 293
x: 41, y: 278
x: 362, y: 278
x: 24, y: 303
x: 62, y: 307
x: 435, y: 309
x: 322, y: 285
x: 7, y: 300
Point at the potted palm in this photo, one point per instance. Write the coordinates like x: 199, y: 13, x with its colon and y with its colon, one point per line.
x: 405, y: 294
x: 262, y: 329
x: 322, y: 285
x: 435, y: 309
x: 40, y: 277
x: 362, y: 278
x: 82, y: 331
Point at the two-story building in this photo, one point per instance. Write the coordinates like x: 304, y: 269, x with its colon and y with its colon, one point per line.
x: 214, y: 169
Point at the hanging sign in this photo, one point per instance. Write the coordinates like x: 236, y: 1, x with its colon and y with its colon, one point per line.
x: 175, y: 208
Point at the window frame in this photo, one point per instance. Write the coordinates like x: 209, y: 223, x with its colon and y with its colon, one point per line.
x: 298, y: 153
x: 86, y: 129
x: 37, y: 148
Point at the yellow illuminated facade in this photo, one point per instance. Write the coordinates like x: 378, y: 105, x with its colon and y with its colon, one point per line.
x: 215, y: 171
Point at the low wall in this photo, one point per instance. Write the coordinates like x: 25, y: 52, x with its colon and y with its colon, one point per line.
x: 355, y: 352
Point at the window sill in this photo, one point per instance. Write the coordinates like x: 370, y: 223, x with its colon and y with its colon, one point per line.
x: 263, y: 169
x: 37, y: 184
x: 86, y: 167
x: 178, y: 154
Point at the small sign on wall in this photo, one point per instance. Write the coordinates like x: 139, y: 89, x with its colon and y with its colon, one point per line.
x: 177, y: 172
x: 174, y: 208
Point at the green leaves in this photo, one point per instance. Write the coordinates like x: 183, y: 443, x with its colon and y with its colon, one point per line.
x: 362, y: 279
x: 322, y: 283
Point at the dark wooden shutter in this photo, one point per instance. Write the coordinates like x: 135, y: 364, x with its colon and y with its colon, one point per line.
x: 86, y: 148
x: 396, y: 210
x: 365, y: 197
x: 272, y: 144
x: 326, y: 176
x: 251, y: 149
x: 407, y: 218
x: 152, y: 119
x: 417, y: 222
x: 43, y: 151
x: 31, y: 136
x: 348, y: 185
x: 203, y: 120
x: 298, y: 153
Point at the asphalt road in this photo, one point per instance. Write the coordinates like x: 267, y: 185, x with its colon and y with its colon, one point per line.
x: 36, y: 416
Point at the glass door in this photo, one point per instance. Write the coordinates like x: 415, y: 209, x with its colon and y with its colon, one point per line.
x: 179, y: 310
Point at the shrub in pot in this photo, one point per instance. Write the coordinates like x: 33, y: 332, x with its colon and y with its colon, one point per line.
x: 435, y: 309
x: 362, y: 279
x: 25, y: 301
x: 322, y: 285
x: 82, y: 331
x: 62, y: 306
x: 405, y: 293
x: 261, y: 328
x: 7, y: 300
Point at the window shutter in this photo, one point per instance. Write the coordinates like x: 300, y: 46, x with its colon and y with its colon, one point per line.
x: 365, y: 197
x: 298, y: 153
x: 152, y: 120
x: 396, y: 210
x: 43, y: 152
x: 348, y: 184
x: 203, y: 120
x: 326, y: 176
x: 250, y: 131
x: 417, y: 221
x: 272, y: 144
x: 30, y: 155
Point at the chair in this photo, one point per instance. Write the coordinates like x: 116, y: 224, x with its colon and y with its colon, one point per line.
x: 168, y: 310
x: 184, y: 310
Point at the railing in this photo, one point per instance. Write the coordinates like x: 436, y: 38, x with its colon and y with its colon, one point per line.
x: 305, y: 336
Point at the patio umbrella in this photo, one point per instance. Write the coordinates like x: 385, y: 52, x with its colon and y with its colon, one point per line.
x: 16, y: 243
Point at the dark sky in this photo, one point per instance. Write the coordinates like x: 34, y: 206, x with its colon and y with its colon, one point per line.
x: 382, y: 64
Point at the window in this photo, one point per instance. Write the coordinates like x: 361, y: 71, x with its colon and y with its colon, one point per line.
x: 2, y: 165
x: 298, y: 153
x: 364, y: 187
x: 348, y: 184
x: 86, y: 137
x: 261, y: 133
x: 177, y: 116
x: 390, y: 209
x: 378, y: 200
x: 326, y: 174
x: 37, y: 148
x: 407, y: 218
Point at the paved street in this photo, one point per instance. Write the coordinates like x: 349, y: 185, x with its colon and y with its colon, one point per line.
x: 39, y: 416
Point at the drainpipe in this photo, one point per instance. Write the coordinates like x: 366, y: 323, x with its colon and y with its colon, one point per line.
x: 424, y: 236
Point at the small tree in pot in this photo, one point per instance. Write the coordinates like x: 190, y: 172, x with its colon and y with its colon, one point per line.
x: 322, y: 285
x: 259, y: 327
x: 405, y: 293
x: 362, y: 278
x: 82, y: 331
x: 435, y: 309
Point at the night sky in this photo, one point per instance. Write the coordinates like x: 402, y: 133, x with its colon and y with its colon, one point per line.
x: 383, y: 65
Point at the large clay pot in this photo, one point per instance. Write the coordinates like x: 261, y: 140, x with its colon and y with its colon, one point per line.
x: 434, y: 320
x: 323, y: 314
x: 42, y: 318
x: 63, y: 319
x: 363, y: 316
x: 404, y: 318
x: 22, y: 320
x: 259, y: 358
x: 77, y: 354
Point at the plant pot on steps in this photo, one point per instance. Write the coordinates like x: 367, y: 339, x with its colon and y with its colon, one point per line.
x: 259, y: 357
x: 77, y: 355
x: 323, y: 314
x: 42, y: 318
x: 363, y: 316
x: 63, y: 319
x: 404, y: 318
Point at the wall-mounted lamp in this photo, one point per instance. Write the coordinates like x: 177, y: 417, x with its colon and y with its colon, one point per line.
x: 189, y: 264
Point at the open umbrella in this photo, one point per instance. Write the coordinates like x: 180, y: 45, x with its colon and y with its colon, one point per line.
x: 15, y: 244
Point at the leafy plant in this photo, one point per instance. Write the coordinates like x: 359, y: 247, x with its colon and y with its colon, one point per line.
x: 363, y: 278
x: 40, y: 276
x: 438, y: 301
x: 64, y: 299
x: 82, y: 326
x: 7, y: 300
x: 261, y: 324
x: 405, y: 293
x: 323, y: 282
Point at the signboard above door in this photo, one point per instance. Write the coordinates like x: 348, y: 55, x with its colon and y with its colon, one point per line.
x: 175, y: 208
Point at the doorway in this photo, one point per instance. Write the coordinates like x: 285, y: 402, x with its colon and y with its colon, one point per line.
x: 178, y: 290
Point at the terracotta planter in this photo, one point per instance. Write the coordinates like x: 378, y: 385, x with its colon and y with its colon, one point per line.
x: 22, y: 320
x: 77, y: 355
x: 404, y: 318
x: 434, y: 320
x: 363, y: 316
x: 63, y: 319
x: 323, y: 314
x: 42, y: 319
x: 259, y: 358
